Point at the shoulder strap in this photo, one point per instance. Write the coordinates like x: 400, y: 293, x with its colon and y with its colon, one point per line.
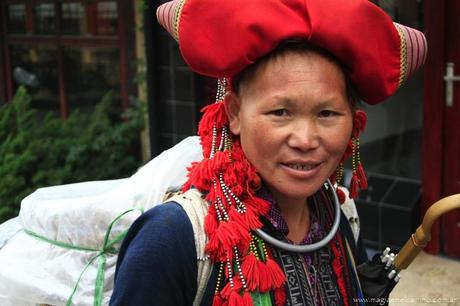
x: 350, y: 211
x: 197, y: 208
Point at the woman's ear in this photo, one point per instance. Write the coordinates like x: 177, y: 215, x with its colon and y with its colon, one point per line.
x: 232, y: 107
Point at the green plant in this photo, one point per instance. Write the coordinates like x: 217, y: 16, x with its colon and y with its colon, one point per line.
x: 35, y: 153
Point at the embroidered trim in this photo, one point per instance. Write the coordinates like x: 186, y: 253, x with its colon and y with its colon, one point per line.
x: 177, y: 15
x: 403, y: 61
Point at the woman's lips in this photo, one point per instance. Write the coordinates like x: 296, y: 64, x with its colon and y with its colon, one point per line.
x: 301, y: 170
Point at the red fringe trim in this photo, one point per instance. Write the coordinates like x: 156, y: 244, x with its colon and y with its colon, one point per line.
x: 337, y: 266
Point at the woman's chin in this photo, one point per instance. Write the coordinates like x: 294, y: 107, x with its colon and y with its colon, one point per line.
x: 298, y: 192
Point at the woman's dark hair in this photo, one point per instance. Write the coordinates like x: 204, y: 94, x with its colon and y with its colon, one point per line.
x: 297, y: 46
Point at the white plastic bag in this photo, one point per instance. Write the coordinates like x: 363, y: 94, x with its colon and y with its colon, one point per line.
x: 60, y: 248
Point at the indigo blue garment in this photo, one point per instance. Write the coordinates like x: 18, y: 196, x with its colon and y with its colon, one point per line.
x: 157, y: 262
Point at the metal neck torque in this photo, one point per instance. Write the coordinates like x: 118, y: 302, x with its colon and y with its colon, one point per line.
x: 305, y: 248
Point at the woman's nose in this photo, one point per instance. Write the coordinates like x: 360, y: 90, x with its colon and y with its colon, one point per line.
x: 304, y: 136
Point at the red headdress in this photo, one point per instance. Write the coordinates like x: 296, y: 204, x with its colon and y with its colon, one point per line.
x: 221, y: 38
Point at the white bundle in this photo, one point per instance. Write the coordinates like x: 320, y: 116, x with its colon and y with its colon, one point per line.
x: 61, y: 246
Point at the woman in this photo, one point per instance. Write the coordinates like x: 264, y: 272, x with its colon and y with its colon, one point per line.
x: 282, y: 128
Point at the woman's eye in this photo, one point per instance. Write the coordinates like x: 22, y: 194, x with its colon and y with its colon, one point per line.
x: 279, y: 112
x: 327, y: 113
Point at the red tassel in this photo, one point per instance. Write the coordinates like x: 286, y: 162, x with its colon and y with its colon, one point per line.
x: 210, y: 221
x: 235, y: 299
x: 280, y: 296
x: 213, y: 114
x: 258, y: 206
x: 247, y: 299
x: 341, y: 195
x: 354, y: 186
x: 265, y: 280
x: 225, y: 237
x: 248, y: 219
x: 277, y: 275
x: 217, y: 300
x: 250, y: 271
x: 361, y: 177
x: 227, y: 290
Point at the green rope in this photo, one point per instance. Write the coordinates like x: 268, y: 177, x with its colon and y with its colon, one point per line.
x: 107, y: 247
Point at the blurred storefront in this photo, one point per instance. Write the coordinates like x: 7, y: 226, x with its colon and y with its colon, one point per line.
x: 67, y: 53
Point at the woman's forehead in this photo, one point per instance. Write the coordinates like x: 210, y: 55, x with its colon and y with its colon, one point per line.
x: 289, y: 68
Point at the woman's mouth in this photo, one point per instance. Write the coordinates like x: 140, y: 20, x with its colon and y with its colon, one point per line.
x: 301, y: 166
x: 302, y: 169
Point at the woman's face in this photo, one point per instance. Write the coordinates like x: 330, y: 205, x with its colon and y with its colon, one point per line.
x: 294, y: 122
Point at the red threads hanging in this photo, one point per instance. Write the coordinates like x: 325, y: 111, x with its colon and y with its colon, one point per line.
x: 251, y: 271
x: 354, y: 187
x: 361, y: 177
x: 280, y: 296
x: 358, y: 179
x: 265, y: 280
x: 276, y: 274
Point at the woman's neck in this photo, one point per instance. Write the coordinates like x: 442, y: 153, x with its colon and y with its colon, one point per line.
x: 296, y: 214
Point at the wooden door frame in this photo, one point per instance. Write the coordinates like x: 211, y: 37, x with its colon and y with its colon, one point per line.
x: 451, y: 163
x: 433, y: 113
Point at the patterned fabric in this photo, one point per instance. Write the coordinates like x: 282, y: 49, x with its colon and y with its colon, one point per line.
x: 311, y: 279
x: 168, y: 15
x: 413, y: 51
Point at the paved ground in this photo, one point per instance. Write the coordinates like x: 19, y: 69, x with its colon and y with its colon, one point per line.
x: 429, y: 280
